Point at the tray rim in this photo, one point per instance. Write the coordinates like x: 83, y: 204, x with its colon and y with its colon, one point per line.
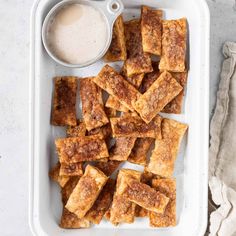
x: 35, y: 225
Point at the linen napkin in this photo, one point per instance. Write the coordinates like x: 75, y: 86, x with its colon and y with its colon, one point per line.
x: 222, y: 162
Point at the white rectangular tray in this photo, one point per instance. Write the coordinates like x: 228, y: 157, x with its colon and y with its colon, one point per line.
x: 191, y: 169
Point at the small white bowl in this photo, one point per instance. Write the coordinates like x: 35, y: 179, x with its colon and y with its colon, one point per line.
x: 110, y: 9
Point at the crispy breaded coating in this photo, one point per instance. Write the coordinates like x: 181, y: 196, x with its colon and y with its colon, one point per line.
x: 122, y: 149
x: 139, y: 152
x: 54, y: 175
x: 174, y: 39
x: 145, y: 196
x: 78, y: 149
x: 117, y: 49
x: 134, y: 126
x: 86, y: 191
x: 114, y: 84
x: 92, y: 104
x: 76, y: 131
x: 72, y: 169
x: 70, y: 221
x: 122, y: 210
x: 101, y: 205
x: 64, y: 111
x: 164, y: 155
x: 175, y: 105
x: 108, y: 167
x: 137, y: 61
x: 168, y: 218
x: 151, y: 29
x: 161, y: 92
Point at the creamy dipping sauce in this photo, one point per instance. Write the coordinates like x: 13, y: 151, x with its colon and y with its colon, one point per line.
x: 77, y: 34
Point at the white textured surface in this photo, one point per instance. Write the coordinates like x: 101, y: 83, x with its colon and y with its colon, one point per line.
x: 14, y: 62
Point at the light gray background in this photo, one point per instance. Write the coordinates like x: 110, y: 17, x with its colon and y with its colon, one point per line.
x: 14, y: 101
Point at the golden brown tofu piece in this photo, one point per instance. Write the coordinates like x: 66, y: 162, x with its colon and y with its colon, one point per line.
x: 72, y: 169
x: 122, y: 149
x: 122, y: 210
x: 64, y: 111
x: 174, y: 39
x: 92, y: 104
x: 165, y: 152
x: 101, y: 205
x: 86, y: 191
x: 145, y: 196
x: 117, y: 49
x: 175, y: 105
x: 70, y: 221
x: 108, y: 167
x: 139, y: 152
x: 161, y: 92
x: 54, y: 175
x: 76, y: 131
x: 151, y: 29
x: 79, y: 149
x: 168, y: 218
x: 114, y: 84
x: 134, y: 126
x: 138, y: 62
